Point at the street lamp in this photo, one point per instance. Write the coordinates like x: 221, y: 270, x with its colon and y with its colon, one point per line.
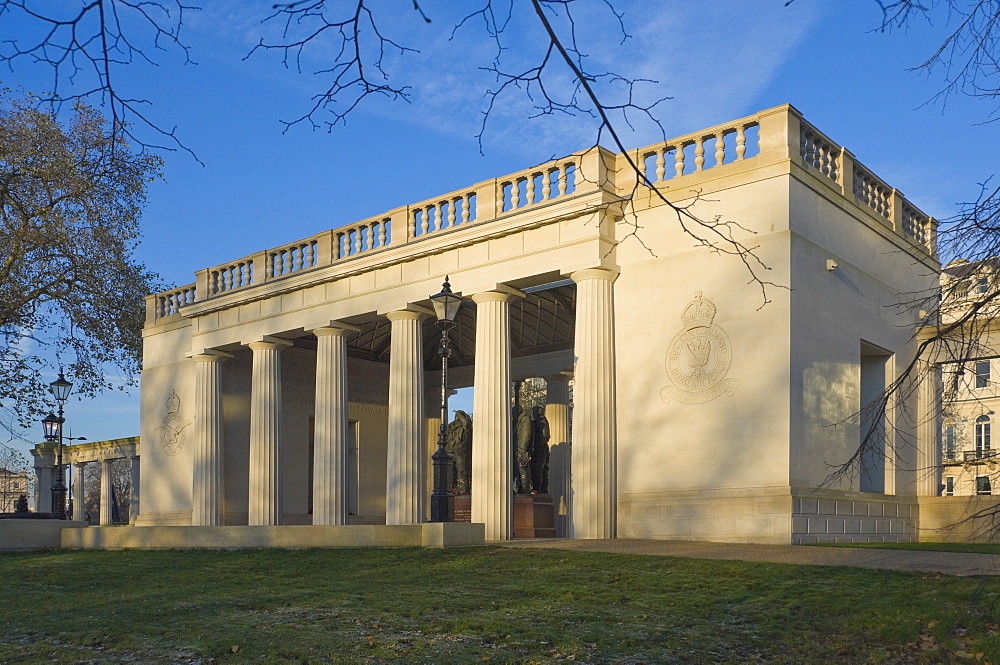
x: 52, y: 427
x: 446, y: 306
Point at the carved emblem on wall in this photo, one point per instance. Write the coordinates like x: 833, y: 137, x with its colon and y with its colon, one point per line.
x: 698, y: 357
x: 173, y: 426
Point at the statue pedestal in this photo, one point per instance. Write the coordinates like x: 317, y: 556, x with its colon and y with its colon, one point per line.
x: 534, y: 516
x: 463, y: 508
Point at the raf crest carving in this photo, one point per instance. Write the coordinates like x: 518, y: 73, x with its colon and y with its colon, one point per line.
x: 173, y: 426
x: 698, y: 357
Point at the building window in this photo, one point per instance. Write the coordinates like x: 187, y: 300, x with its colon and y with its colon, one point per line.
x: 982, y: 373
x: 982, y: 434
x: 949, y: 442
x: 983, y: 285
x: 949, y: 485
x: 983, y: 485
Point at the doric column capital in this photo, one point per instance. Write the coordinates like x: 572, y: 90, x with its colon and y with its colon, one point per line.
x: 415, y: 314
x: 209, y: 356
x: 594, y: 273
x: 333, y: 328
x: 501, y: 293
x: 268, y: 342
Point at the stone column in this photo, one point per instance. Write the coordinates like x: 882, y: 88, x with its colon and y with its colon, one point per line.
x: 79, y: 495
x: 406, y: 485
x: 492, y: 466
x: 330, y: 456
x: 594, y: 457
x: 929, y: 477
x: 208, y: 491
x: 133, y: 509
x: 557, y: 413
x: 43, y: 488
x: 106, y: 492
x: 265, y: 432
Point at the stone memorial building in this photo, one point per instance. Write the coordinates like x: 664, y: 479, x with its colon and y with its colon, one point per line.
x: 299, y: 385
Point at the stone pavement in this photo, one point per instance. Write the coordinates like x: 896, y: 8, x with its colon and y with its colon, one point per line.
x: 948, y: 563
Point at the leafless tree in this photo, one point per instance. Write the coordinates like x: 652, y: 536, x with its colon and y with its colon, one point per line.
x: 94, y: 42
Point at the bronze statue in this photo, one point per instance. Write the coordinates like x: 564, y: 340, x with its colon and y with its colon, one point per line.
x: 539, y: 451
x: 522, y: 435
x: 459, y: 446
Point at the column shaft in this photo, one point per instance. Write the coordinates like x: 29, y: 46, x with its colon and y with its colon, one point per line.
x: 133, y: 511
x: 406, y: 462
x: 594, y: 456
x: 79, y: 495
x: 43, y: 488
x: 557, y: 412
x: 106, y: 492
x: 265, y: 433
x: 330, y: 458
x: 492, y: 466
x: 929, y: 430
x: 208, y: 491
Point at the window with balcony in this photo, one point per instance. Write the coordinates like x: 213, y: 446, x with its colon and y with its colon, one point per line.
x: 983, y: 485
x: 982, y: 435
x: 982, y: 373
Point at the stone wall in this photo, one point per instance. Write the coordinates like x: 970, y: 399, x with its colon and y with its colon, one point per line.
x: 959, y: 519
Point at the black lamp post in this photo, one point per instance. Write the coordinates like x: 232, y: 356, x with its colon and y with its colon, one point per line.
x: 52, y: 426
x: 446, y: 306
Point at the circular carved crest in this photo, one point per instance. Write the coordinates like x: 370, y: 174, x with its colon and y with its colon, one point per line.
x: 172, y: 428
x: 698, y: 357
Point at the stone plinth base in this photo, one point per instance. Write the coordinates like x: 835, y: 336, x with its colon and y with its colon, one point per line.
x: 449, y: 534
x: 534, y: 516
x: 29, y: 534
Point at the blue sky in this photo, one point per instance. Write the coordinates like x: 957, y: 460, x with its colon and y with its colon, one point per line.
x: 260, y: 187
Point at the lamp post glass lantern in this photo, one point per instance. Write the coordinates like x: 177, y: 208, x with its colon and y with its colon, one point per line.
x: 53, y: 429
x: 446, y: 306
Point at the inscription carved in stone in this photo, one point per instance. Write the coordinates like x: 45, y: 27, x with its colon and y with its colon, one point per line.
x: 172, y: 429
x: 698, y: 357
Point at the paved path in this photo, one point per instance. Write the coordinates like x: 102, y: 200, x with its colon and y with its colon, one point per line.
x: 948, y: 563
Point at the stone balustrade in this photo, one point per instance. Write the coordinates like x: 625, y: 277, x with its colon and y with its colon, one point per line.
x: 731, y: 142
x: 774, y: 135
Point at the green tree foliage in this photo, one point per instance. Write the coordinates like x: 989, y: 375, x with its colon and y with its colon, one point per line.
x: 71, y: 294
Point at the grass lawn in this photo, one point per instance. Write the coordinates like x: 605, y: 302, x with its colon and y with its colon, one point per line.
x: 975, y: 548
x: 480, y: 605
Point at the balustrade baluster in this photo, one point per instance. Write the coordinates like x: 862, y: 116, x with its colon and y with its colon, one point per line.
x: 515, y: 194
x: 381, y: 233
x: 699, y: 154
x: 741, y: 142
x: 547, y: 184
x: 359, y: 238
x: 661, y: 164
x: 679, y: 160
x: 530, y: 190
x: 465, y: 209
x: 438, y: 215
x: 372, y: 238
x: 562, y: 180
x: 452, y: 210
x: 720, y: 149
x: 411, y: 225
x: 227, y: 279
x: 159, y: 307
